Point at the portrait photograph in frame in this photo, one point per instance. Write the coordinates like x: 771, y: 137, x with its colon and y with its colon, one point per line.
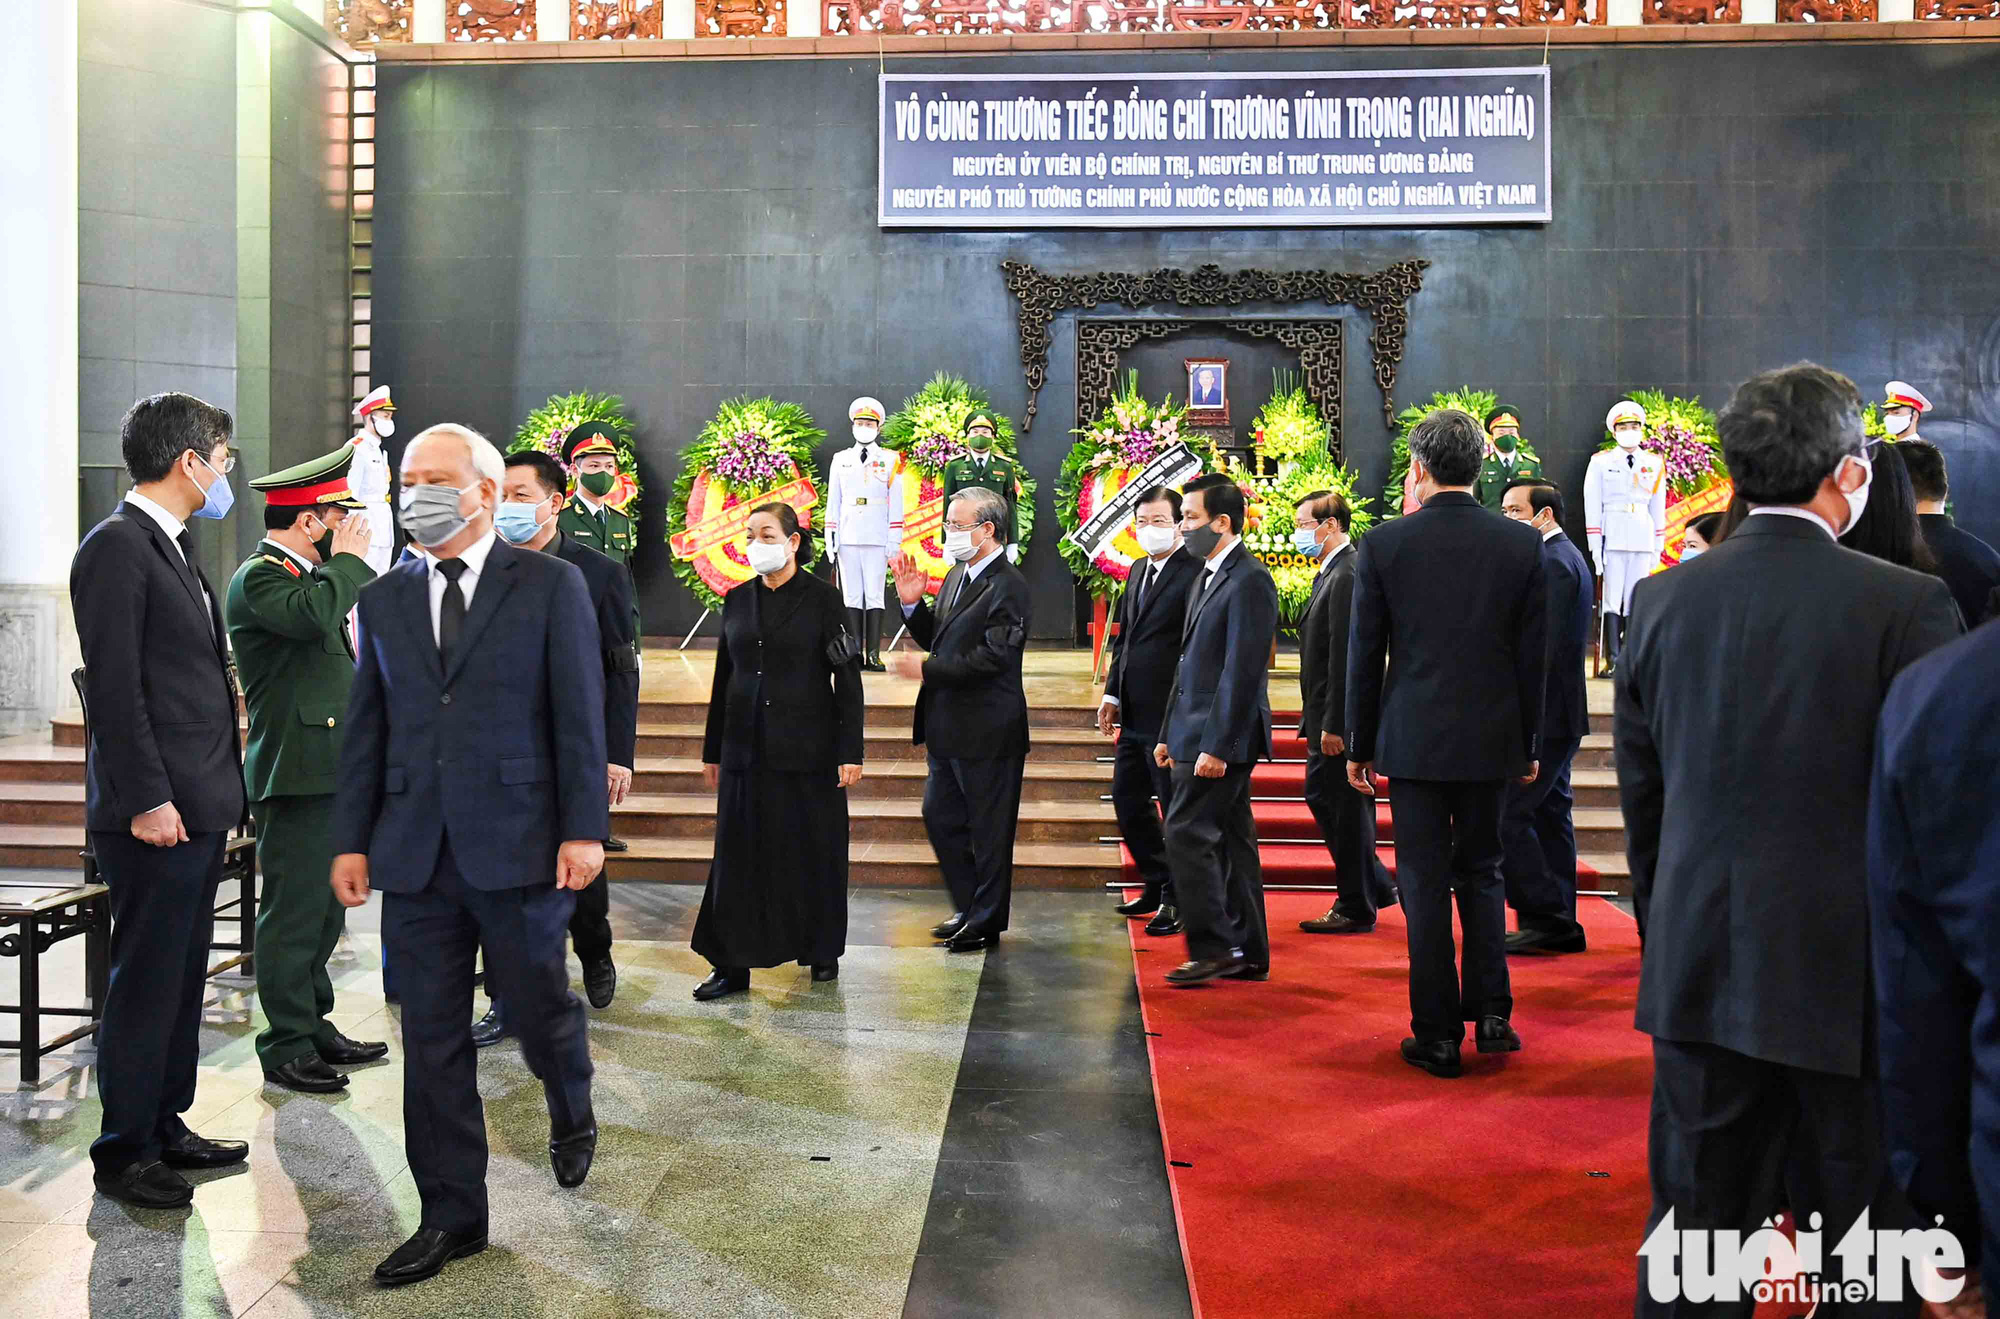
x: 1208, y: 390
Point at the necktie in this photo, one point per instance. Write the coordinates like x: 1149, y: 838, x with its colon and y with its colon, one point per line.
x: 451, y: 617
x: 186, y: 542
x: 864, y: 455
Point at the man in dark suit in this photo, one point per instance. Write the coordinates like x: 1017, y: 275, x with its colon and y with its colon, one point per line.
x: 1537, y: 824
x: 165, y: 787
x: 1218, y: 725
x: 1152, y: 611
x: 1346, y: 819
x: 1745, y: 728
x: 1933, y: 831
x: 1457, y: 600
x: 1969, y: 566
x: 530, y: 510
x: 473, y: 795
x: 972, y: 714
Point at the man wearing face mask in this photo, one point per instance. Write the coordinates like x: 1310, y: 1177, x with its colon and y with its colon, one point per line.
x: 864, y: 523
x: 368, y: 474
x: 1505, y: 463
x: 164, y: 787
x: 591, y: 450
x: 1152, y: 611
x: 1625, y: 516
x: 972, y: 713
x: 1745, y: 734
x: 1902, y: 407
x: 287, y: 614
x: 532, y: 501
x: 1346, y: 819
x: 472, y: 793
x: 989, y: 471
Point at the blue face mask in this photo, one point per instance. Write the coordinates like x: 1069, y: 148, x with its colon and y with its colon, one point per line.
x: 1690, y: 553
x: 218, y: 499
x: 1306, y: 541
x: 517, y: 523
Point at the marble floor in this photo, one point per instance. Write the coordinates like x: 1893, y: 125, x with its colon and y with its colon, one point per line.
x: 929, y: 1135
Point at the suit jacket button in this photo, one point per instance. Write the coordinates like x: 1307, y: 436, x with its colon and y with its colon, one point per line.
x: 329, y: 721
x: 445, y: 699
x: 767, y: 703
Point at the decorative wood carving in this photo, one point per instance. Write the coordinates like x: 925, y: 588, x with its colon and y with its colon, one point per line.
x: 1384, y: 296
x: 490, y: 20
x: 369, y: 22
x: 932, y: 17
x: 1695, y: 12
x: 1826, y: 11
x: 1963, y: 11
x: 1464, y: 13
x: 615, y: 20
x: 739, y: 18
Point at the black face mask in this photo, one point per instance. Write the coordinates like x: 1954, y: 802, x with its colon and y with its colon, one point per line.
x: 324, y: 545
x: 1201, y: 541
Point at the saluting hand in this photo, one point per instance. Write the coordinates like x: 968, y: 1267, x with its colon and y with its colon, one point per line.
x: 353, y: 536
x: 1361, y: 777
x: 906, y: 663
x: 578, y: 862
x: 911, y: 579
x: 350, y: 878
x: 850, y: 775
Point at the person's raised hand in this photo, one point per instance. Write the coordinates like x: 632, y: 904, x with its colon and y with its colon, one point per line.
x: 906, y: 664
x: 911, y: 578
x: 353, y: 536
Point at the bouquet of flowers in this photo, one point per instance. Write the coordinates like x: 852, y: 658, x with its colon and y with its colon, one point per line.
x: 1272, y: 501
x: 1107, y: 455
x: 749, y: 447
x: 1682, y: 432
x: 547, y: 426
x: 1476, y: 402
x: 929, y: 431
x: 1288, y: 429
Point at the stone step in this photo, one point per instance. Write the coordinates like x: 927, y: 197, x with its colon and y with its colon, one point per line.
x: 882, y: 864
x: 1046, y: 744
x: 896, y: 820
x: 1055, y: 780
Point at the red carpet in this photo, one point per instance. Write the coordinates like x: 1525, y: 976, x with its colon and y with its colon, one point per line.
x: 1316, y: 1173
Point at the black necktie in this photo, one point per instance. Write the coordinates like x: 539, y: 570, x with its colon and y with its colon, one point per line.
x: 186, y: 542
x: 451, y: 618
x: 864, y: 455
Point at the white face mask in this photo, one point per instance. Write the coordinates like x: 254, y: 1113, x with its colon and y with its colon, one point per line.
x: 1896, y: 422
x: 767, y: 557
x: 385, y: 425
x: 1155, y: 540
x: 958, y: 546
x: 1628, y: 437
x: 864, y: 433
x: 1857, y: 498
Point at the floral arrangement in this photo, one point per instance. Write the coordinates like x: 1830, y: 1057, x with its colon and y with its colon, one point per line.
x: 1682, y: 432
x: 1107, y: 455
x: 1475, y: 402
x: 1871, y: 423
x: 929, y: 432
x: 1273, y: 500
x: 547, y: 426
x: 1289, y: 429
x: 749, y: 447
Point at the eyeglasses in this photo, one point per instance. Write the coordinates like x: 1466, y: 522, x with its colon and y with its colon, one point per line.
x: 963, y: 526
x: 226, y: 466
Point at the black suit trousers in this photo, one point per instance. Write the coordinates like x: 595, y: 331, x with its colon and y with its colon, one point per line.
x: 1347, y: 824
x: 971, y: 808
x: 1136, y: 783
x: 432, y: 936
x: 1218, y: 878
x: 1448, y: 845
x: 1734, y: 1139
x: 149, y: 1031
x: 1538, y: 842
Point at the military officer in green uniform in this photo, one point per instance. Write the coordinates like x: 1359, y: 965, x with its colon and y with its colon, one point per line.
x: 591, y: 453
x: 1504, y: 461
x: 993, y: 471
x: 287, y: 614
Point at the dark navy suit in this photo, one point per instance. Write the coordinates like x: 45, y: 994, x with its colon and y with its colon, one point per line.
x: 461, y: 785
x: 1933, y: 889
x: 1219, y: 706
x: 1537, y: 825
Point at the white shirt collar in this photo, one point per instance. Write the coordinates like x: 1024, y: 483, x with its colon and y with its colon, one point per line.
x: 972, y: 570
x: 1551, y: 534
x: 474, y: 558
x: 590, y: 505
x: 170, y: 524
x: 1788, y: 511
x: 1328, y: 561
x: 1216, y: 563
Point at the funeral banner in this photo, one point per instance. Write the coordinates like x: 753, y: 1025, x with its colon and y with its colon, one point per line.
x: 1176, y: 465
x: 1104, y: 150
x: 713, y: 541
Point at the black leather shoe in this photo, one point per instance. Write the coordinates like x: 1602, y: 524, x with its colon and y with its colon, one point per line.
x: 1335, y: 923
x: 1546, y: 941
x: 824, y: 971
x: 600, y: 981
x: 1143, y: 905
x: 343, y: 1052
x: 1165, y: 922
x: 147, y: 1186
x: 1439, y: 1058
x: 968, y: 941
x: 719, y: 985
x: 192, y: 1151
x: 617, y: 845
x: 874, y: 664
x: 948, y: 927
x: 491, y: 1028
x: 425, y: 1254
x: 1207, y: 969
x: 571, y: 1156
x: 308, y: 1074
x: 1251, y: 971
x: 1495, y: 1035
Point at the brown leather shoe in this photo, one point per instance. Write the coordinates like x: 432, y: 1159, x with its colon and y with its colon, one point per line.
x: 1213, y: 968
x: 1335, y: 923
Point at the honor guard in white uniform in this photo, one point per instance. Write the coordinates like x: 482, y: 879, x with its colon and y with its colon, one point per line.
x: 1902, y: 410
x: 864, y: 523
x: 368, y: 475
x: 1625, y: 517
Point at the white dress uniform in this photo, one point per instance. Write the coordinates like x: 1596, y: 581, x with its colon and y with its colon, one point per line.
x: 864, y: 520
x: 1625, y: 520
x: 368, y: 478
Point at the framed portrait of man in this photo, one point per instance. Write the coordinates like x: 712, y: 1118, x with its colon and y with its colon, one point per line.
x: 1208, y: 390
